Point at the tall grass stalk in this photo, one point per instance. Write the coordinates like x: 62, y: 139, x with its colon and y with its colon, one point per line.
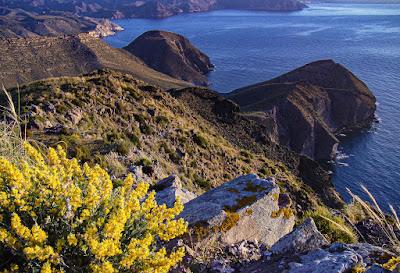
x: 12, y: 130
x: 385, y: 221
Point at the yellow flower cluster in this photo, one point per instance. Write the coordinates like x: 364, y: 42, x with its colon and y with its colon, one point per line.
x: 56, y: 214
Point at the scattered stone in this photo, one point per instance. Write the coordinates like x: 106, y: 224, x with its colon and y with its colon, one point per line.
x: 54, y: 130
x: 169, y: 189
x: 304, y: 238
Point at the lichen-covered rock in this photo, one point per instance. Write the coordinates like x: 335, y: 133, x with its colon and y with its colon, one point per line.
x: 169, y: 189
x: 245, y: 208
x: 304, y: 238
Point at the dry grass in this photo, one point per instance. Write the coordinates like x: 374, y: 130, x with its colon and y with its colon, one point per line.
x: 387, y: 223
x: 12, y: 131
x: 332, y: 226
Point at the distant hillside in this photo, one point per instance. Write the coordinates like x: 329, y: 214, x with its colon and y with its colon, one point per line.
x: 19, y: 23
x: 28, y: 59
x: 149, y: 8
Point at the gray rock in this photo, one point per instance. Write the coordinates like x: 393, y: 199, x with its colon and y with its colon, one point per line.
x: 245, y: 208
x: 169, y: 189
x: 323, y: 261
x: 221, y: 266
x: 338, y: 258
x: 304, y: 238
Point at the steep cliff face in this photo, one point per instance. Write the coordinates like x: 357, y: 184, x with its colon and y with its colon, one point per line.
x: 172, y: 54
x: 305, y: 108
x: 150, y: 8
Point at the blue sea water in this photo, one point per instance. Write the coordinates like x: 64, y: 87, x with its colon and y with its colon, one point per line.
x: 249, y: 47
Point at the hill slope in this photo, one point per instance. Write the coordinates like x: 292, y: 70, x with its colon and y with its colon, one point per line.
x: 28, y: 59
x: 16, y: 23
x: 149, y: 8
x: 125, y: 124
x: 172, y: 54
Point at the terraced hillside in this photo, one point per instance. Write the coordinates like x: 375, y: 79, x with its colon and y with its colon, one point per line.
x: 27, y: 59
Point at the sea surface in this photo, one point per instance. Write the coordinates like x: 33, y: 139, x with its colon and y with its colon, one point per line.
x: 249, y: 47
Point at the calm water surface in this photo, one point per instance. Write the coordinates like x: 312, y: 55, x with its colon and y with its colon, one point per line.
x: 249, y: 47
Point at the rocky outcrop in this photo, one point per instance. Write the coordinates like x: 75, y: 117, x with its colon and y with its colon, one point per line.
x: 170, y: 189
x: 150, y: 8
x: 317, y: 257
x: 172, y: 54
x: 304, y: 238
x: 15, y: 23
x: 246, y: 208
x: 306, y: 108
x: 29, y: 59
x: 104, y: 28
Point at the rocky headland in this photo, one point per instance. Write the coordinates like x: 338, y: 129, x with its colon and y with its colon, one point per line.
x: 308, y: 107
x: 16, y: 23
x: 172, y: 54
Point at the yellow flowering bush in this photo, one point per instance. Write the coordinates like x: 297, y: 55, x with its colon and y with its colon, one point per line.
x: 59, y: 216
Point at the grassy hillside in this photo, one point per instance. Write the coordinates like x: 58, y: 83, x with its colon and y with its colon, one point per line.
x: 127, y: 125
x: 28, y: 59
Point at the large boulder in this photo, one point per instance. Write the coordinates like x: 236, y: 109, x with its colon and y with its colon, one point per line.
x: 246, y: 208
x: 172, y: 54
x: 306, y: 108
x: 304, y: 238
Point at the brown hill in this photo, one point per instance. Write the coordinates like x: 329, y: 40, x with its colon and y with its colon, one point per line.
x: 16, y: 23
x: 149, y: 8
x: 305, y: 108
x: 172, y: 54
x: 28, y: 59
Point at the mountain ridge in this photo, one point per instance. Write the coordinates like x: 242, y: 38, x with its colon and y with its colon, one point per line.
x: 149, y: 8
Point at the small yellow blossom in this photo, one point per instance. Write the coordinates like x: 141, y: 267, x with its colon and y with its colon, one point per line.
x: 53, y: 209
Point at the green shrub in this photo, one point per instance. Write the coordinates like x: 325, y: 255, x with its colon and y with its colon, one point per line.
x: 202, y: 183
x: 200, y: 140
x: 162, y: 120
x: 333, y: 227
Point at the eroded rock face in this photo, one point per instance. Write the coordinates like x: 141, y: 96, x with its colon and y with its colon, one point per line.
x: 172, y: 54
x: 245, y: 208
x: 306, y: 108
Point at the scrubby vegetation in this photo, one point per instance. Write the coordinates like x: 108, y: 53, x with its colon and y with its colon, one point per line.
x: 332, y: 226
x: 59, y: 216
